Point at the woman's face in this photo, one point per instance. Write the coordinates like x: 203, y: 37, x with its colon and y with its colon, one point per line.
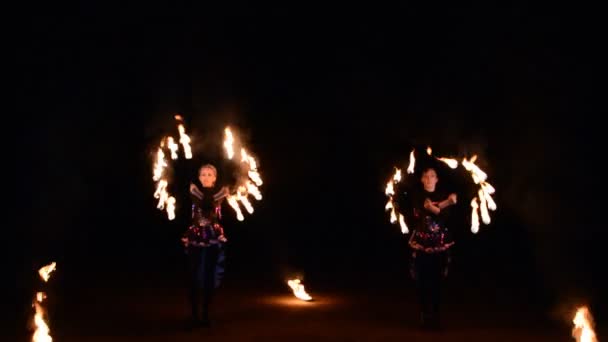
x: 429, y: 180
x: 207, y: 177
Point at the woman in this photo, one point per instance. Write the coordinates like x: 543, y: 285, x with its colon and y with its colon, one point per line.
x: 430, y: 243
x: 204, y: 241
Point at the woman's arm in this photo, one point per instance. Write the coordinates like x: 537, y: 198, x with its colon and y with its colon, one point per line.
x: 451, y: 200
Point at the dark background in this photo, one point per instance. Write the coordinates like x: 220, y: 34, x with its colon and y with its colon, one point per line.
x: 329, y: 100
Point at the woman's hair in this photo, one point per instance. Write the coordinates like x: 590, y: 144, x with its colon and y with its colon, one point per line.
x: 208, y: 166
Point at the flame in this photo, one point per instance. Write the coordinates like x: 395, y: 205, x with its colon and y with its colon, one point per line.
x: 228, y: 141
x: 404, y: 229
x: 253, y: 190
x: 389, y: 189
x: 429, y: 150
x: 397, y: 176
x: 298, y: 289
x: 161, y: 194
x: 474, y: 216
x: 452, y: 163
x: 483, y: 207
x: 173, y: 147
x: 184, y: 139
x: 486, y: 202
x: 255, y: 177
x: 42, y: 329
x: 389, y: 204
x: 171, y: 208
x: 242, y: 196
x: 477, y: 174
x: 178, y: 117
x: 583, y: 326
x: 40, y: 296
x: 159, y: 165
x: 393, y: 216
x: 410, y: 168
x: 487, y: 191
x: 233, y: 201
x: 45, y: 272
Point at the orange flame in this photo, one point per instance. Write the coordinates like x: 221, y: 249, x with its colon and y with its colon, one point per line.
x: 298, y: 289
x: 474, y: 216
x: 40, y: 296
x: 397, y: 176
x: 159, y: 165
x: 233, y: 201
x: 483, y: 207
x: 184, y: 139
x: 404, y: 229
x: 253, y: 190
x: 173, y: 147
x: 410, y: 168
x: 171, y: 207
x: 45, y: 272
x: 42, y: 329
x: 583, y: 326
x: 429, y: 150
x: 452, y: 163
x: 389, y: 191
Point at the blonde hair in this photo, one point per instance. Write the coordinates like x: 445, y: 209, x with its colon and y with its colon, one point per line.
x: 208, y: 166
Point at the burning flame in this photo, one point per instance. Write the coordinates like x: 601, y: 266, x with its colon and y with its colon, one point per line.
x: 410, y: 168
x: 583, y: 326
x: 404, y: 229
x: 390, y: 191
x: 298, y: 289
x: 171, y: 207
x: 474, y: 216
x: 228, y: 141
x: 253, y: 190
x: 159, y: 165
x: 42, y: 329
x: 484, y: 194
x: 173, y: 147
x: 184, y: 139
x: 452, y: 163
x: 45, y: 272
x: 233, y: 201
x: 249, y: 185
x: 429, y: 150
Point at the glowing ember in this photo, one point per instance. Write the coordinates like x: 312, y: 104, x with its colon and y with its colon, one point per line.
x: 429, y: 150
x: 410, y: 168
x: 173, y: 147
x: 228, y: 142
x: 452, y: 163
x: 184, y: 139
x: 45, y: 272
x: 583, y: 326
x: 474, y: 216
x: 298, y: 289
